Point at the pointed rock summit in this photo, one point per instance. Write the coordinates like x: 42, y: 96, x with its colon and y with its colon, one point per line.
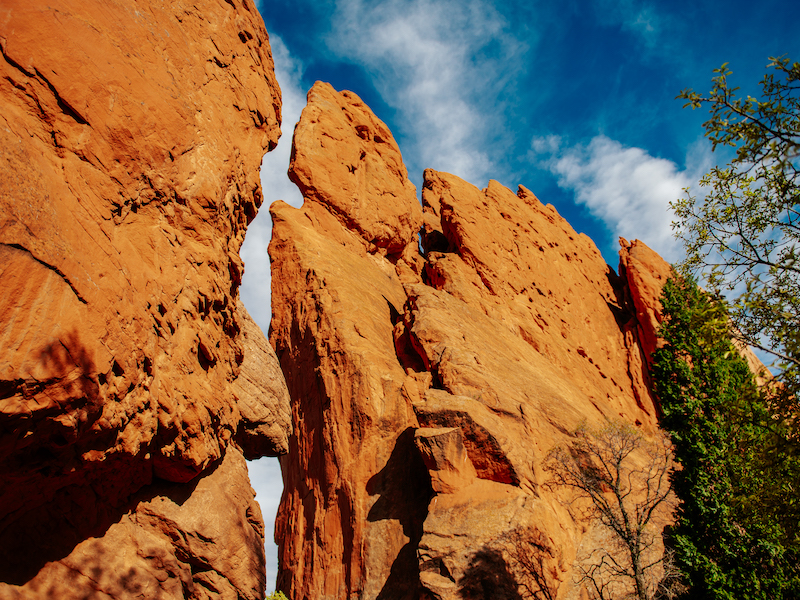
x: 428, y: 386
x: 346, y: 159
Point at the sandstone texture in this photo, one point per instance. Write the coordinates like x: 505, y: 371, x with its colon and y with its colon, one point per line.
x: 204, y: 539
x: 263, y: 399
x: 132, y: 134
x: 428, y: 386
x: 646, y: 274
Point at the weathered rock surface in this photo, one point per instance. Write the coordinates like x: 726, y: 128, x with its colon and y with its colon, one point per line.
x: 427, y: 388
x: 348, y: 161
x: 204, y: 539
x: 132, y: 134
x: 646, y: 274
x: 355, y: 490
x: 263, y: 399
x: 445, y: 457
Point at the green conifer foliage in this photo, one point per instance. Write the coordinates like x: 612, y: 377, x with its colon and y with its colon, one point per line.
x: 737, y: 530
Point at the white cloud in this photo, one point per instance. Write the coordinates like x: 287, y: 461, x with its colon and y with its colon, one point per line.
x: 626, y: 188
x: 546, y: 145
x: 255, y: 290
x: 443, y: 65
x: 635, y: 16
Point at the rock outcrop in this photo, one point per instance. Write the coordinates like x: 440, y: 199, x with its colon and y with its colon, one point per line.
x: 132, y: 135
x: 646, y: 273
x: 428, y: 385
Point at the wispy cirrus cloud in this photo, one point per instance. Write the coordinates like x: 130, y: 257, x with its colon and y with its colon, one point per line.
x: 626, y: 188
x: 638, y: 17
x: 444, y: 65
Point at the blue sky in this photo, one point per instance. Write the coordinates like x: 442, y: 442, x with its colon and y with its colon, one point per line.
x: 574, y: 100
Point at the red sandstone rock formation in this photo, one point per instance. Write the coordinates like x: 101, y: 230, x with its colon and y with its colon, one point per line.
x: 646, y: 274
x: 355, y: 492
x: 132, y: 134
x: 427, y: 388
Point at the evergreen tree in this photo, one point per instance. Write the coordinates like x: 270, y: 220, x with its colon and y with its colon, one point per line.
x: 737, y: 530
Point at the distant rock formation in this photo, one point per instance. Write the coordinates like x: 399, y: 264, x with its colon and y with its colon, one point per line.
x: 131, y: 381
x: 429, y: 377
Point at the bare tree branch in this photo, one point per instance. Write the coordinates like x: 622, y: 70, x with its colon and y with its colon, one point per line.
x: 625, y: 479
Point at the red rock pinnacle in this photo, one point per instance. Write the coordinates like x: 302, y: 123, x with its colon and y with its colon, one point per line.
x: 428, y: 388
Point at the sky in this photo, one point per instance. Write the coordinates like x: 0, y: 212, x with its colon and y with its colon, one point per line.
x: 575, y: 100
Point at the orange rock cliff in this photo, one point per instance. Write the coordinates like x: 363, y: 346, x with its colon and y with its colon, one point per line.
x: 132, y: 382
x: 429, y: 377
x: 428, y: 356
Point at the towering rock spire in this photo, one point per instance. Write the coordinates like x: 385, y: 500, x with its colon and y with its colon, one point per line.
x: 428, y: 386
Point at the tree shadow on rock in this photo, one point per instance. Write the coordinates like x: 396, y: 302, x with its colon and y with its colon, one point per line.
x: 488, y: 578
x: 404, y: 490
x: 534, y: 559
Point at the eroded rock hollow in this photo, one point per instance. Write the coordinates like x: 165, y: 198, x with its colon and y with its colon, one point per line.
x: 132, y: 382
x: 430, y: 375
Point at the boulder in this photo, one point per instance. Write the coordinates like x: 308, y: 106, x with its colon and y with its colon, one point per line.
x: 442, y: 450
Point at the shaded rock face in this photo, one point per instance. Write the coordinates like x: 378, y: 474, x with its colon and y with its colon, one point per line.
x: 263, y: 400
x: 132, y: 135
x: 202, y: 539
x: 427, y: 387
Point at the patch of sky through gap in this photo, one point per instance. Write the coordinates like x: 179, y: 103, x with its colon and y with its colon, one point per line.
x: 255, y: 291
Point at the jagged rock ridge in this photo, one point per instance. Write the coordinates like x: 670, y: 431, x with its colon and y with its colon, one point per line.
x: 428, y: 386
x: 132, y: 134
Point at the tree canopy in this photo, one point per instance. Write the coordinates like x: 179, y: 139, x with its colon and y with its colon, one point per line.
x: 738, y: 528
x: 742, y: 232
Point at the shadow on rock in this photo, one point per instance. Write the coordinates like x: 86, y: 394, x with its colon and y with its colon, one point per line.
x: 404, y: 489
x: 488, y: 578
x: 50, y: 531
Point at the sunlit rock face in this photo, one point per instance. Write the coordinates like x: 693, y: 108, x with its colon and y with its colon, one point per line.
x: 132, y: 134
x: 428, y: 386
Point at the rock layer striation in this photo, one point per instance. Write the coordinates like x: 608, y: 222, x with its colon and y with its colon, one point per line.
x: 429, y: 377
x: 132, y: 135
